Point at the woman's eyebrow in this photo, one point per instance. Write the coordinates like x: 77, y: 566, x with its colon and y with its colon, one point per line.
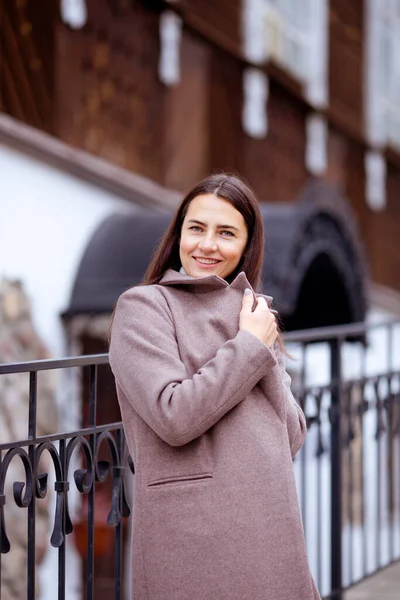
x: 227, y: 227
x: 197, y: 222
x: 219, y: 226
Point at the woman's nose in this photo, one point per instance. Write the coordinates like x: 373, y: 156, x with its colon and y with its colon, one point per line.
x: 208, y: 244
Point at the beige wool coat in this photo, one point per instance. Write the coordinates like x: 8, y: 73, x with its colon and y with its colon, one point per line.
x: 212, y: 427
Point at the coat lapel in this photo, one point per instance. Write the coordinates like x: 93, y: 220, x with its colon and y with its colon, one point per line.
x: 209, y: 283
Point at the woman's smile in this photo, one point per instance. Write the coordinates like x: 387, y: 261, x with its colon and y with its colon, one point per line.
x: 206, y: 262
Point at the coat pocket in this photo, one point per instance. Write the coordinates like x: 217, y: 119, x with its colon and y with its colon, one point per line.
x: 185, y: 479
x: 167, y: 465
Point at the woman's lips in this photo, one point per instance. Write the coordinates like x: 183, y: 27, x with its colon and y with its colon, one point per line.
x: 206, y: 265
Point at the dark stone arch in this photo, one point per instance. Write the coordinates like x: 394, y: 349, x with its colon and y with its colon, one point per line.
x: 313, y: 255
x: 310, y: 246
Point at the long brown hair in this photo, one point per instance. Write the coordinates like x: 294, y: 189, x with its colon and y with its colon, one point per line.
x: 238, y: 193
x: 235, y: 190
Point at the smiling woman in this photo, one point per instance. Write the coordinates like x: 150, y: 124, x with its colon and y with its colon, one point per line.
x: 208, y: 413
x: 213, y: 237
x: 223, y: 207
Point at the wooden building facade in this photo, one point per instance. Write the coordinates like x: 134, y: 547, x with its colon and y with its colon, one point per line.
x: 98, y: 86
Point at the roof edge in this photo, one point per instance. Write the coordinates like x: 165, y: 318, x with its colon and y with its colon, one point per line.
x: 93, y: 169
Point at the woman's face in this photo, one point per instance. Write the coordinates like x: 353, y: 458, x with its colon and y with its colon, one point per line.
x: 213, y: 237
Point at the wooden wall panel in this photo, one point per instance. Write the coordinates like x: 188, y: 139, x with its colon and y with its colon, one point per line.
x: 353, y: 179
x: 346, y: 78
x: 276, y: 165
x: 386, y: 234
x: 379, y: 231
x: 338, y: 156
x: 27, y: 61
x: 186, y: 118
x: 220, y: 20
x: 108, y: 93
x: 226, y: 136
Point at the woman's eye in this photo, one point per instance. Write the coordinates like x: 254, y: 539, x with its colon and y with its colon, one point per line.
x: 195, y: 228
x: 227, y: 233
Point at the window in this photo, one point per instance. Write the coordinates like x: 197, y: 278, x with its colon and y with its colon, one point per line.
x: 287, y: 27
x: 383, y: 72
x: 390, y: 69
x: 294, y: 33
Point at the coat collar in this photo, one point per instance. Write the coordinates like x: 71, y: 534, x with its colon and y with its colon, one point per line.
x: 209, y: 283
x: 215, y: 282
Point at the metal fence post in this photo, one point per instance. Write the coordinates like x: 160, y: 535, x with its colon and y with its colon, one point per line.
x: 336, y: 470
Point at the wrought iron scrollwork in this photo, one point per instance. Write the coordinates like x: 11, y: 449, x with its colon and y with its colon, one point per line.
x: 95, y: 470
x: 22, y: 491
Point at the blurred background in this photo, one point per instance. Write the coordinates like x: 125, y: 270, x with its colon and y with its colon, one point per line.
x: 110, y: 110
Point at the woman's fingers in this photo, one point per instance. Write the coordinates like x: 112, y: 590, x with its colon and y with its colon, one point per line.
x: 261, y: 322
x: 262, y: 303
x: 247, y: 302
x: 263, y: 306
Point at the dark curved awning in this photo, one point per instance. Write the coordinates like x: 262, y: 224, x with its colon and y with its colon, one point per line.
x: 314, y: 266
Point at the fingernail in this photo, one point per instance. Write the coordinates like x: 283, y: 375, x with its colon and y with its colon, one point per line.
x: 247, y: 291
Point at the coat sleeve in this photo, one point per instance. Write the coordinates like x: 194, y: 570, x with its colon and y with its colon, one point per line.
x: 144, y: 357
x: 295, y: 419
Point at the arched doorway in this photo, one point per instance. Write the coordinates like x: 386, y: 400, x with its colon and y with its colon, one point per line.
x: 322, y: 299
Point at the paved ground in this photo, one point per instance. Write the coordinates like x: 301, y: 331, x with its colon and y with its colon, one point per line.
x: 383, y: 586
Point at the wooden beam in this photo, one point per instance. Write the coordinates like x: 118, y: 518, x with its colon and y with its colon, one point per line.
x: 10, y: 93
x: 17, y: 68
x: 33, y: 61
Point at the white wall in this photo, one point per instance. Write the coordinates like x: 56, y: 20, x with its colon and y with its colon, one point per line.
x: 47, y: 218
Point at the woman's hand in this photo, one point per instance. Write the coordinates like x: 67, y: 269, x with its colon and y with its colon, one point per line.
x: 261, y: 322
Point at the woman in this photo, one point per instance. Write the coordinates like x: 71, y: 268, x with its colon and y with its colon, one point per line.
x: 208, y: 413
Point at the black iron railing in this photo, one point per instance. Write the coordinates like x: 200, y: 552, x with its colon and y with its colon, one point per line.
x: 88, y: 443
x: 348, y: 472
